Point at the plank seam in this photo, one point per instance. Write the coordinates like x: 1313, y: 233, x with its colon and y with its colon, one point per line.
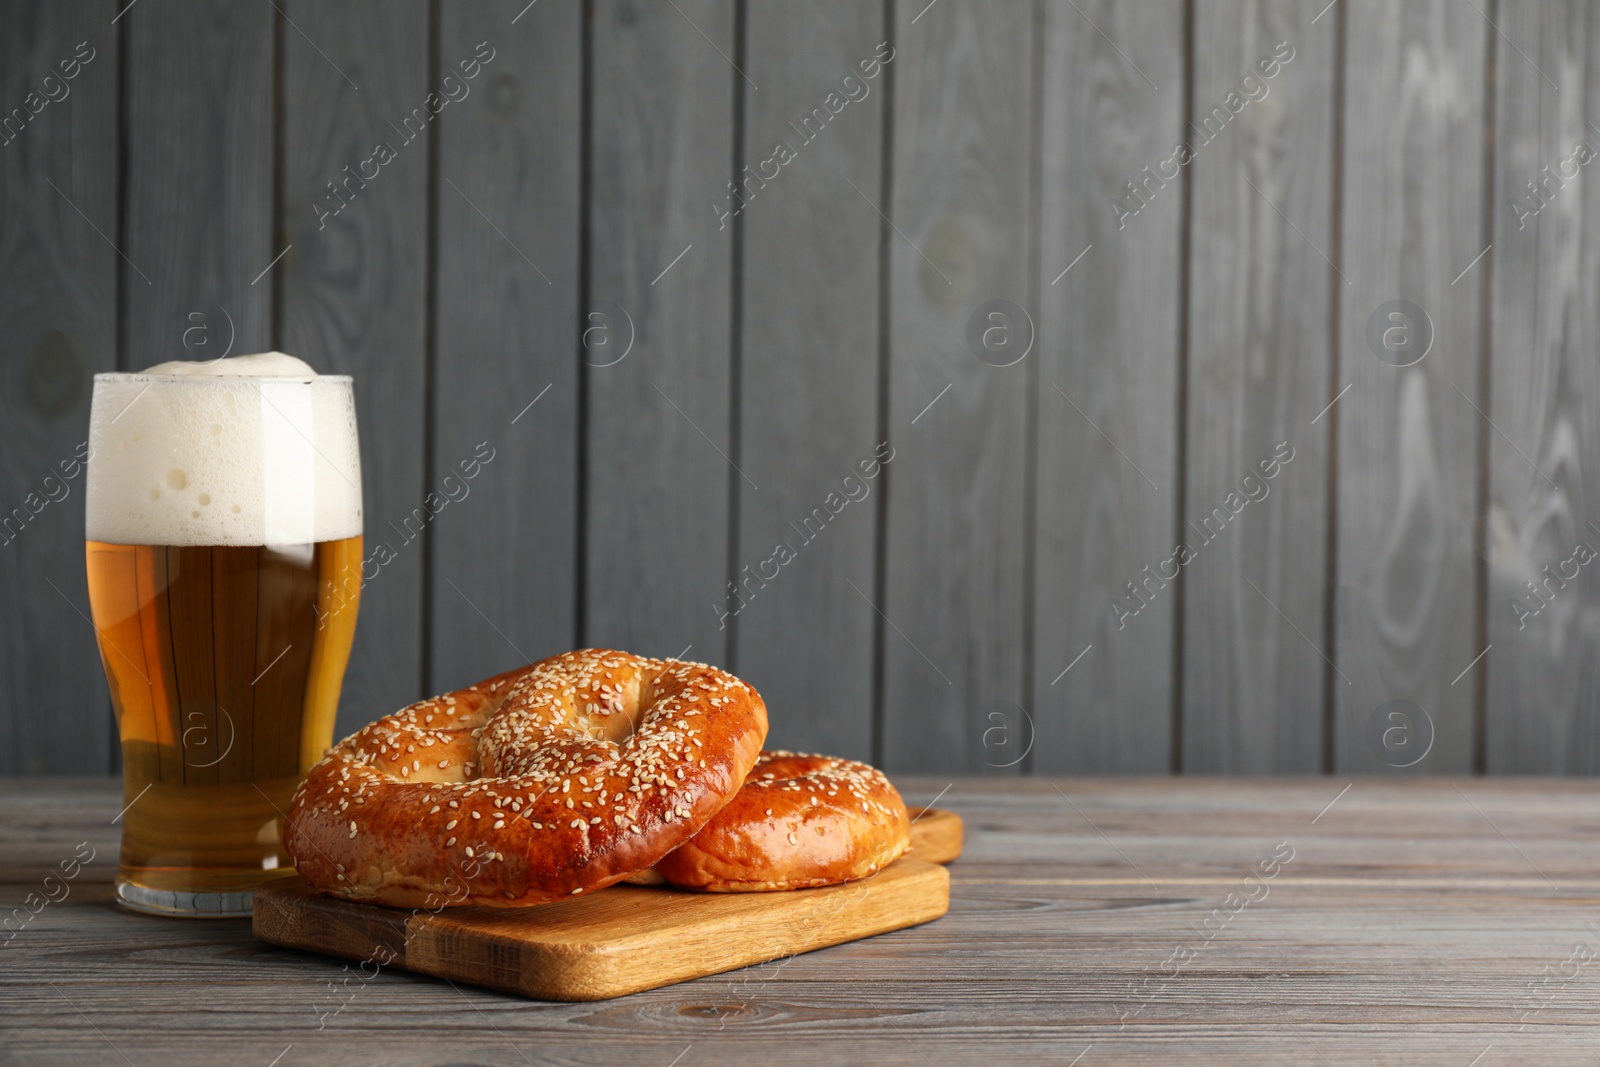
x: 730, y: 649
x: 120, y: 358
x: 1181, y: 401
x: 1330, y: 563
x: 122, y: 198
x: 880, y: 548
x: 580, y: 568
x: 1030, y: 440
x: 275, y: 282
x: 1480, y: 534
x: 1469, y: 882
x: 430, y: 350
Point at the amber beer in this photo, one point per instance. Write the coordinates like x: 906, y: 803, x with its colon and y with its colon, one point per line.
x: 224, y: 556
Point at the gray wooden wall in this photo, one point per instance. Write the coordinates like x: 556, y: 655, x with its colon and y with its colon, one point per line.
x: 1362, y: 616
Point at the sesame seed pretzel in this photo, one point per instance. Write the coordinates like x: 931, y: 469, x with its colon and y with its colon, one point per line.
x: 553, y: 779
x: 799, y: 821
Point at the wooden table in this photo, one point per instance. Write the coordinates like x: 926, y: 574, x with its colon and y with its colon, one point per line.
x: 1093, y: 921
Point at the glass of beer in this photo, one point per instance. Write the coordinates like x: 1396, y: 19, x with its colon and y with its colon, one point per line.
x: 224, y: 558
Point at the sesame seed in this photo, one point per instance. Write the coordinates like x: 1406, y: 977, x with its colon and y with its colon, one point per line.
x: 543, y: 726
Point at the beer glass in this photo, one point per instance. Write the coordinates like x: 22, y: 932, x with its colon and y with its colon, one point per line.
x: 224, y: 565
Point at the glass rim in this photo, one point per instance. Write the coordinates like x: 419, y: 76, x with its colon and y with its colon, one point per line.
x: 140, y: 376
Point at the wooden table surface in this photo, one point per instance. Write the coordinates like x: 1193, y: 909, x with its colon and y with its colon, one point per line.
x: 1092, y: 921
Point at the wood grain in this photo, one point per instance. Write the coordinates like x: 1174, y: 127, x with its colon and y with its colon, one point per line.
x: 1022, y: 499
x: 658, y: 443
x: 1107, y: 392
x: 58, y: 285
x: 1542, y: 713
x: 809, y: 374
x: 620, y: 940
x: 507, y: 330
x: 1412, y: 924
x: 959, y: 215
x: 1406, y: 604
x: 937, y: 836
x: 198, y: 200
x: 353, y: 293
x: 1259, y: 354
x: 199, y: 183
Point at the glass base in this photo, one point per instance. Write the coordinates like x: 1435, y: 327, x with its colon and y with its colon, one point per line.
x: 166, y: 902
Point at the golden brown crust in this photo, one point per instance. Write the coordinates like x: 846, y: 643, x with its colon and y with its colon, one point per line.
x: 553, y: 779
x: 799, y: 821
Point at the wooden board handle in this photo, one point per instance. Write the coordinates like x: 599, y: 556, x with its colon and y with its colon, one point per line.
x: 936, y: 835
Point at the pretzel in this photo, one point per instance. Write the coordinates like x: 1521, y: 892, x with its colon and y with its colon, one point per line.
x: 799, y: 821
x: 554, y: 779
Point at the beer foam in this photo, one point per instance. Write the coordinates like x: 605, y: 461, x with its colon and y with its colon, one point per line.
x: 250, y: 450
x: 260, y: 365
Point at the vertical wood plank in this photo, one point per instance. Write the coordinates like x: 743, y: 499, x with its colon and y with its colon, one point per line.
x: 199, y: 179
x: 1259, y: 355
x: 953, y: 604
x: 658, y: 441
x: 355, y: 76
x: 809, y: 398
x: 507, y: 336
x: 58, y: 299
x: 1408, y: 436
x: 199, y: 194
x: 1543, y: 706
x: 1107, y: 465
x: 198, y: 186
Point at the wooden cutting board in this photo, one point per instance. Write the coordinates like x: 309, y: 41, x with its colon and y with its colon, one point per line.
x: 622, y: 939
